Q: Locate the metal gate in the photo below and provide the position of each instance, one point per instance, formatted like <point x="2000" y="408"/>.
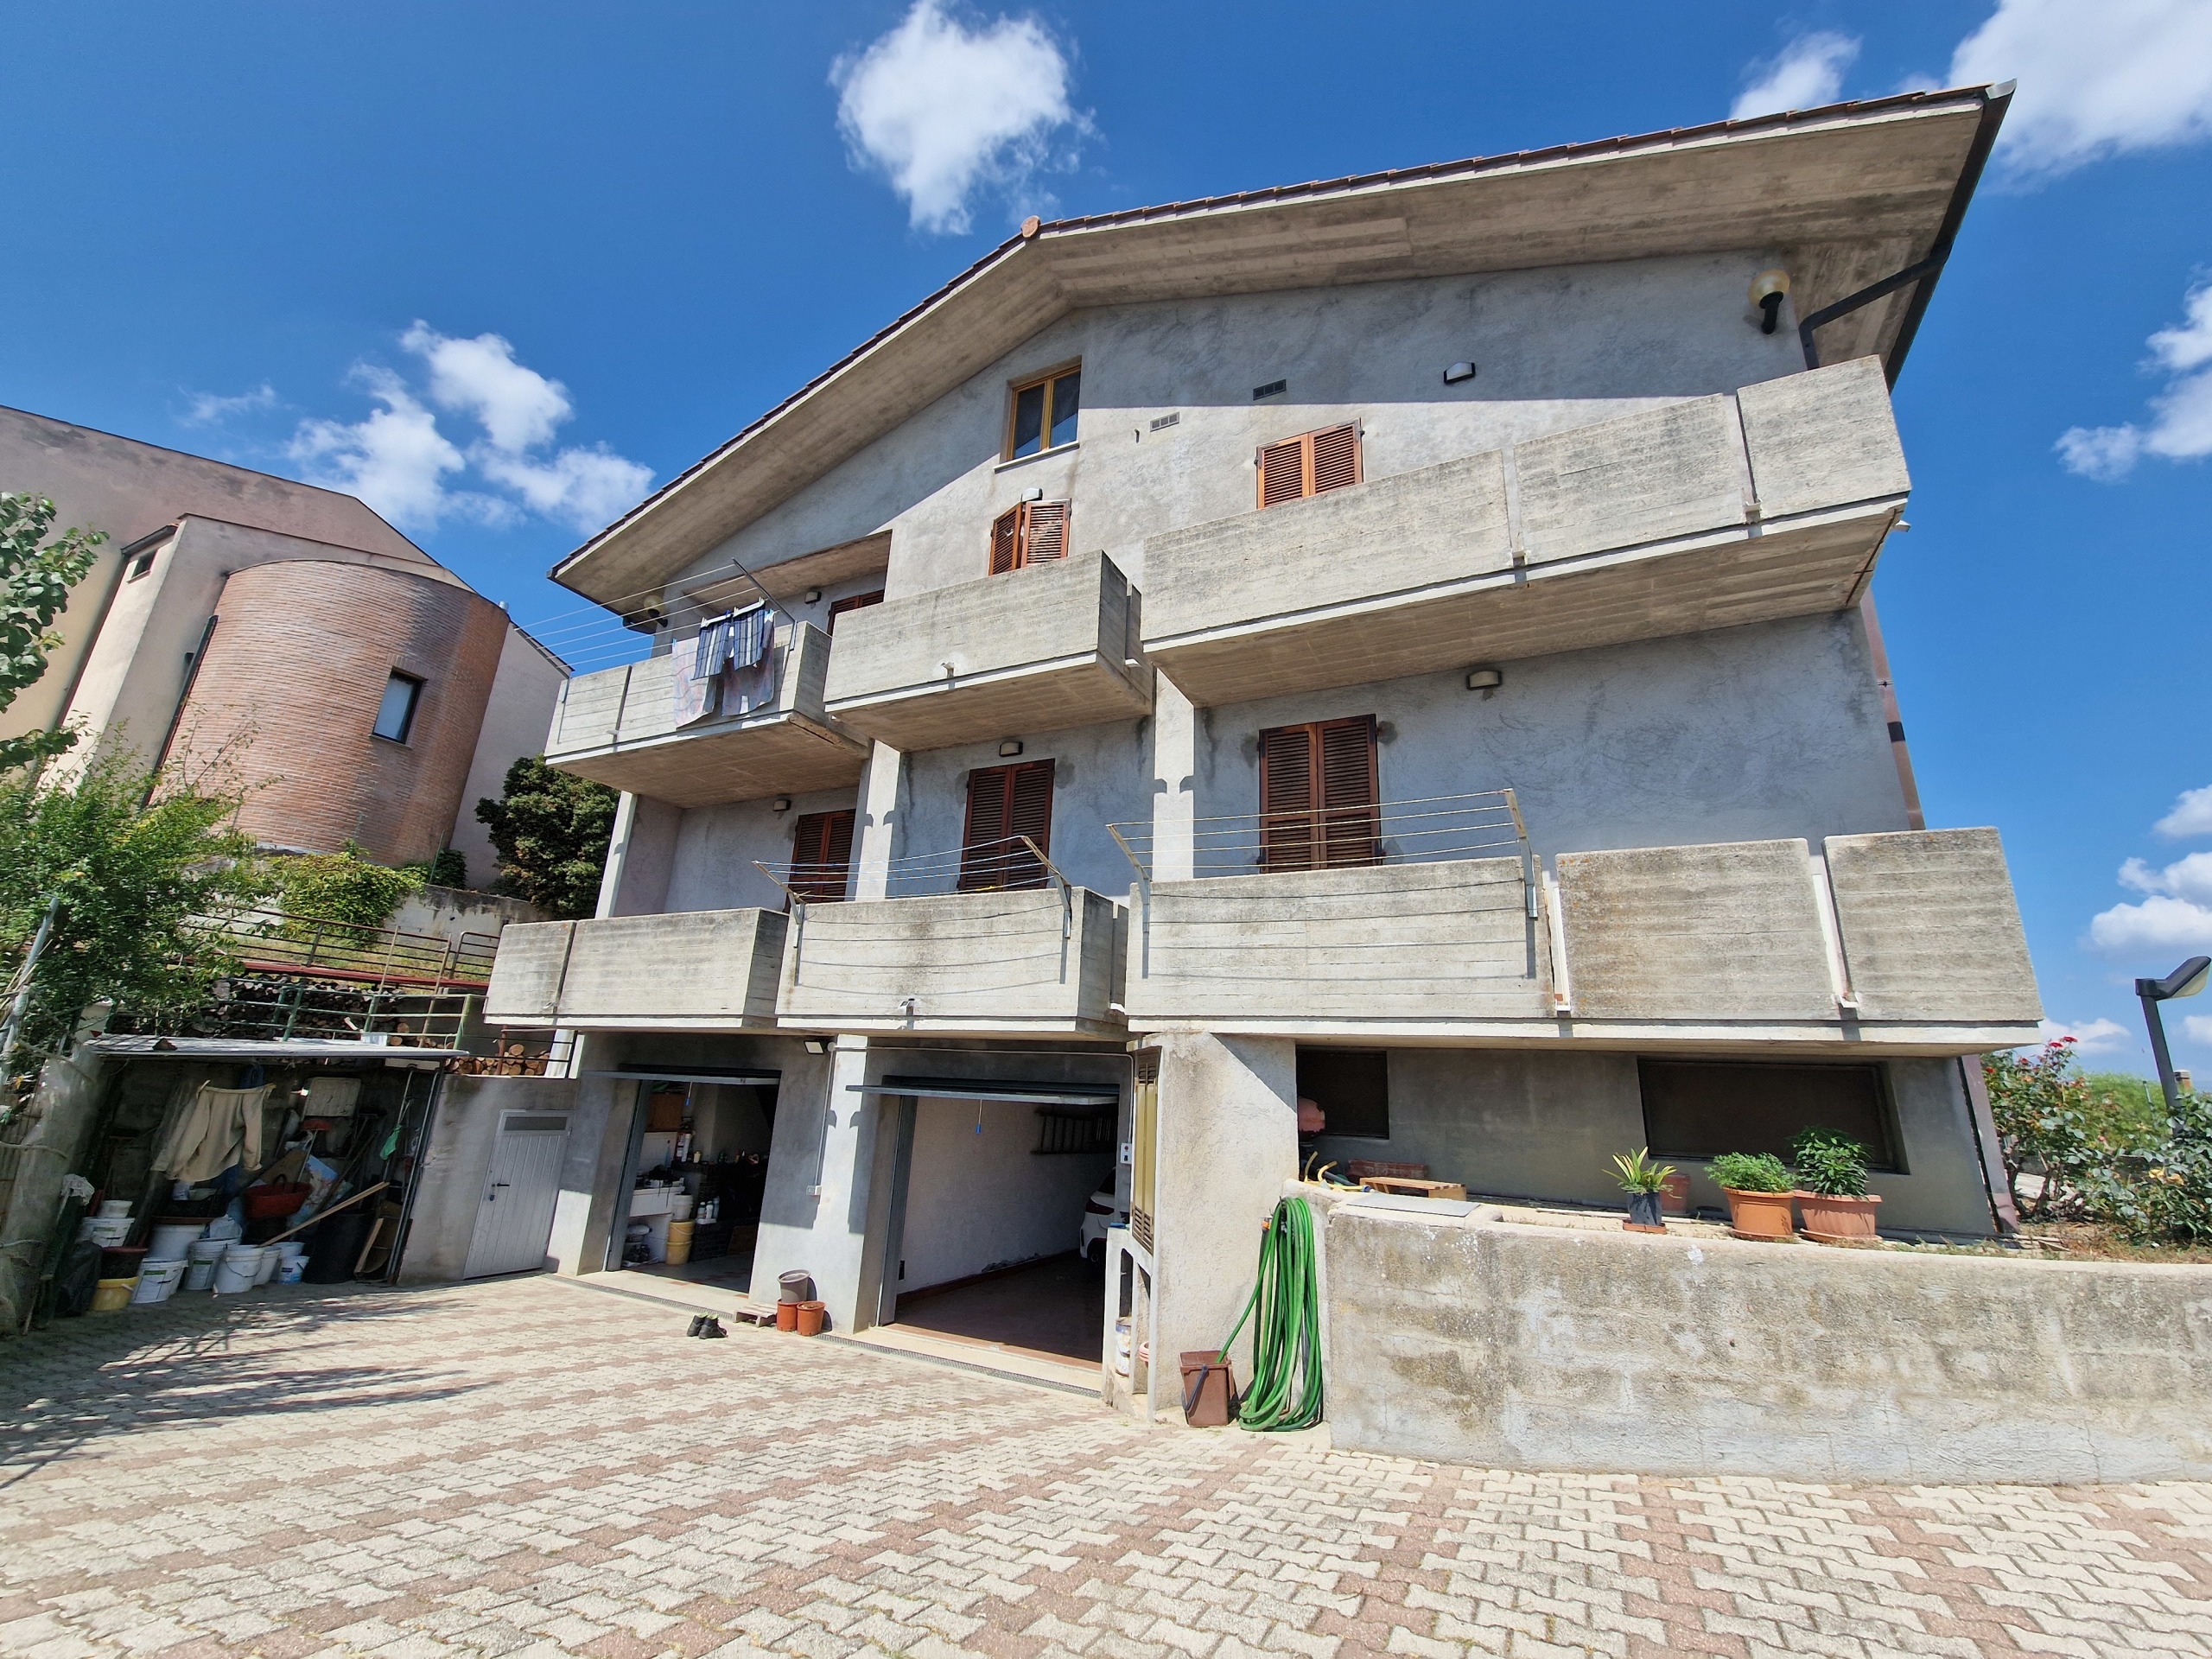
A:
<point x="516" y="1218"/>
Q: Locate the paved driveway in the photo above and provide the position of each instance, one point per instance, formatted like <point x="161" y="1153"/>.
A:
<point x="530" y="1467"/>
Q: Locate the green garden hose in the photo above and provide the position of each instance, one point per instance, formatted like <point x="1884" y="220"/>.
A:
<point x="1286" y="1391"/>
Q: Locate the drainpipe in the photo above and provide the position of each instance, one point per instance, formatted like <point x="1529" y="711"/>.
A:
<point x="1878" y="657"/>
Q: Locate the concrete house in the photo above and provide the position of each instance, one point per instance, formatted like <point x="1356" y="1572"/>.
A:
<point x="1403" y="641"/>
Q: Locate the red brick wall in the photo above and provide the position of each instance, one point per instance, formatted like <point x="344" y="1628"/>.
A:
<point x="285" y="701"/>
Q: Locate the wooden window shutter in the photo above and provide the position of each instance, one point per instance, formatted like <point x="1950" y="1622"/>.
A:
<point x="1006" y="540"/>
<point x="821" y="856"/>
<point x="852" y="602"/>
<point x="1311" y="464"/>
<point x="1317" y="795"/>
<point x="1004" y="803"/>
<point x="1032" y="532"/>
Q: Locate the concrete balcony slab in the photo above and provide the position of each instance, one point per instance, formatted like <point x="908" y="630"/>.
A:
<point x="691" y="970"/>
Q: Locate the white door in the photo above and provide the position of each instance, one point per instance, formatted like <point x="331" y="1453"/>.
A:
<point x="516" y="1218"/>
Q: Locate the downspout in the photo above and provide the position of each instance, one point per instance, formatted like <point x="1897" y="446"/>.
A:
<point x="1923" y="272"/>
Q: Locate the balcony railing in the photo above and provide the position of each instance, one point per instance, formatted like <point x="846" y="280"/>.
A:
<point x="1340" y="837"/>
<point x="619" y="728"/>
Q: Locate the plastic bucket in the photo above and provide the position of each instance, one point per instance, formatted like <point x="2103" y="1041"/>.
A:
<point x="1209" y="1390"/>
<point x="289" y="1269"/>
<point x="679" y="1242"/>
<point x="109" y="1294"/>
<point x="158" y="1281"/>
<point x="112" y="1209"/>
<point x="171" y="1239"/>
<point x="105" y="1230"/>
<point x="810" y="1318"/>
<point x="236" y="1271"/>
<point x="795" y="1288"/>
<point x="1125" y="1347"/>
<point x="200" y="1257"/>
<point x="270" y="1258"/>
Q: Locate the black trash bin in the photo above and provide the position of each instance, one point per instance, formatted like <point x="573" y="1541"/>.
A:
<point x="334" y="1246"/>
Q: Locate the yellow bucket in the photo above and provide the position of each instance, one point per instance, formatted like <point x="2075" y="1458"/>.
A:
<point x="679" y="1242"/>
<point x="113" y="1294"/>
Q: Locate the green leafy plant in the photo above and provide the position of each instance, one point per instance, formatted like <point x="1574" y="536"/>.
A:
<point x="551" y="831"/>
<point x="1752" y="1172"/>
<point x="1832" y="1164"/>
<point x="1636" y="1173"/>
<point x="342" y="886"/>
<point x="35" y="577"/>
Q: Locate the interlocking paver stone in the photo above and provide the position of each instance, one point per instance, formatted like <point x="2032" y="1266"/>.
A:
<point x="530" y="1468"/>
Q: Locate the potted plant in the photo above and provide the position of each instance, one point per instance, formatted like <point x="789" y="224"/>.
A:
<point x="1643" y="1181"/>
<point x="1760" y="1190"/>
<point x="1832" y="1181"/>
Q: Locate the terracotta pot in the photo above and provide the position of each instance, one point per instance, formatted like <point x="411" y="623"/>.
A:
<point x="786" y="1316"/>
<point x="809" y="1318"/>
<point x="1643" y="1213"/>
<point x="1675" y="1194"/>
<point x="1839" y="1221"/>
<point x="1760" y="1214"/>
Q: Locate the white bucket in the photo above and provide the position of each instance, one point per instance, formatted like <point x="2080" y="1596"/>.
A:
<point x="681" y="1207"/>
<point x="112" y="1208"/>
<point x="271" y="1258"/>
<point x="158" y="1281"/>
<point x="240" y="1268"/>
<point x="171" y="1239"/>
<point x="1124" y="1347"/>
<point x="290" y="1269"/>
<point x="106" y="1231"/>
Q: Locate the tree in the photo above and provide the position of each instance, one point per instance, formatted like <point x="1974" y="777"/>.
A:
<point x="122" y="869"/>
<point x="551" y="831"/>
<point x="34" y="584"/>
<point x="343" y="887"/>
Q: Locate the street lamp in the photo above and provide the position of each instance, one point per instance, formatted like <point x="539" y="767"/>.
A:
<point x="2185" y="981"/>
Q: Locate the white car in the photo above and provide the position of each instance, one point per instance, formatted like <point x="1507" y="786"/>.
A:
<point x="1107" y="1207"/>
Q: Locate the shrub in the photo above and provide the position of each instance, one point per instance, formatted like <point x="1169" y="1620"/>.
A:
<point x="342" y="886"/>
<point x="1752" y="1172"/>
<point x="1832" y="1164"/>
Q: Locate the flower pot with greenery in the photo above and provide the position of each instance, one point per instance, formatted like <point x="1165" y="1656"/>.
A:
<point x="1760" y="1191"/>
<point x="1832" y="1181"/>
<point x="1643" y="1181"/>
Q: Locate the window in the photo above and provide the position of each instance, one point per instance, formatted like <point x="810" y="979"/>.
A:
<point x="1312" y="464"/>
<point x="1042" y="413"/>
<point x="852" y="602"/>
<point x="1699" y="1109"/>
<point x="1004" y="804"/>
<point x="1035" y="532"/>
<point x="396" y="713"/>
<point x="1318" y="796"/>
<point x="821" y="856"/>
<point x="1352" y="1088"/>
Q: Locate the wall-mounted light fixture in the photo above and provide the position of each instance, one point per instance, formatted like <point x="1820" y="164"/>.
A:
<point x="1008" y="749"/>
<point x="814" y="595"/>
<point x="1485" y="680"/>
<point x="816" y="1046"/>
<point x="1457" y="372"/>
<point x="1032" y="495"/>
<point x="1767" y="290"/>
<point x="781" y="804"/>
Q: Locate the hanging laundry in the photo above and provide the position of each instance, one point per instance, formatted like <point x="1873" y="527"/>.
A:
<point x="214" y="1129"/>
<point x="749" y="681"/>
<point x="694" y="666"/>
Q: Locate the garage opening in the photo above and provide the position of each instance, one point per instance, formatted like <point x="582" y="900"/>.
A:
<point x="698" y="1173"/>
<point x="999" y="1207"/>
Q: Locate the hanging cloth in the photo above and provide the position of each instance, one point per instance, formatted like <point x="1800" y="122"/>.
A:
<point x="216" y="1129"/>
<point x="697" y="666"/>
<point x="749" y="679"/>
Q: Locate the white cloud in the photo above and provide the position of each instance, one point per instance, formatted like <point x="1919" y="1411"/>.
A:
<point x="400" y="462"/>
<point x="2191" y="816"/>
<point x="208" y="409"/>
<point x="2091" y="1036"/>
<point x="1808" y="73"/>
<point x="2198" y="1027"/>
<point x="946" y="111"/>
<point x="2182" y="428"/>
<point x="2185" y="878"/>
<point x="2095" y="80"/>
<point x="2161" y="923"/>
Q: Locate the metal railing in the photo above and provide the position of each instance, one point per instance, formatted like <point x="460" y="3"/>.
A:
<point x="1427" y="831"/>
<point x="290" y="1007"/>
<point x="269" y="941"/>
<point x="1015" y="863"/>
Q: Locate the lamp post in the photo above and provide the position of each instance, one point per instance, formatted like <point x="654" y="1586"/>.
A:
<point x="2185" y="981"/>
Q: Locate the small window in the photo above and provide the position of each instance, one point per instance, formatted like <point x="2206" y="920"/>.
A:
<point x="821" y="856"/>
<point x="142" y="565"/>
<point x="1319" y="806"/>
<point x="1006" y="804"/>
<point x="1313" y="463"/>
<point x="1043" y="414"/>
<point x="1035" y="532"/>
<point x="396" y="713"/>
<point x="1700" y="1109"/>
<point x="852" y="602"/>
<point x="1352" y="1088"/>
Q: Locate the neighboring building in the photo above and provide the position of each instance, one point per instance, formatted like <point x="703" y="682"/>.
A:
<point x="1421" y="622"/>
<point x="284" y="636"/>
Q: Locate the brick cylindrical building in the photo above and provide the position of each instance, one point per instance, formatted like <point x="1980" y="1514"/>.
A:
<point x="345" y="699"/>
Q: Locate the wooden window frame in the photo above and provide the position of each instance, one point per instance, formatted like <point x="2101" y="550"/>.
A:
<point x="1026" y="533"/>
<point x="816" y="886"/>
<point x="1311" y="470"/>
<point x="996" y="864"/>
<point x="1318" y="835"/>
<point x="1044" y="444"/>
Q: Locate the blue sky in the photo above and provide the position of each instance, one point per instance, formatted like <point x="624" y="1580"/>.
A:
<point x="279" y="233"/>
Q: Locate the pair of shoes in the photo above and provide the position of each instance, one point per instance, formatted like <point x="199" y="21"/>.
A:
<point x="712" y="1327"/>
<point x="698" y="1324"/>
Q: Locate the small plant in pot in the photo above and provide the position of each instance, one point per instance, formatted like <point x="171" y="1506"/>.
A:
<point x="1760" y="1191"/>
<point x="1644" y="1182"/>
<point x="1832" y="1181"/>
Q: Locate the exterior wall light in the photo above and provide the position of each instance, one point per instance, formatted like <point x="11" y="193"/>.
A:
<point x="2185" y="981"/>
<point x="1457" y="372"/>
<point x="1767" y="290"/>
<point x="1008" y="749"/>
<point x="814" y="595"/>
<point x="781" y="804"/>
<point x="816" y="1046"/>
<point x="1485" y="680"/>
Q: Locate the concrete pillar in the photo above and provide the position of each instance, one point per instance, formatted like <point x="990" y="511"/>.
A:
<point x="640" y="855"/>
<point x="825" y="1176"/>
<point x="877" y="825"/>
<point x="1228" y="1139"/>
<point x="1175" y="772"/>
<point x="593" y="1205"/>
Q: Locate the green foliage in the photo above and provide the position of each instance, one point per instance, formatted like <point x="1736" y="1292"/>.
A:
<point x="1636" y="1173"/>
<point x="34" y="584"/>
<point x="1752" y="1172"/>
<point x="446" y="868"/>
<point x="342" y="886"/>
<point x="124" y="877"/>
<point x="1832" y="1164"/>
<point x="551" y="831"/>
<point x="2128" y="1109"/>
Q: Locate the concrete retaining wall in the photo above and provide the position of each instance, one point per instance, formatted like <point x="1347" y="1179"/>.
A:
<point x="1539" y="1347"/>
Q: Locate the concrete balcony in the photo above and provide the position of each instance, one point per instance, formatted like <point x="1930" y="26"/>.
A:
<point x="618" y="726"/>
<point x="1046" y="961"/>
<point x="1769" y="503"/>
<point x="692" y="970"/>
<point x="1047" y="646"/>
